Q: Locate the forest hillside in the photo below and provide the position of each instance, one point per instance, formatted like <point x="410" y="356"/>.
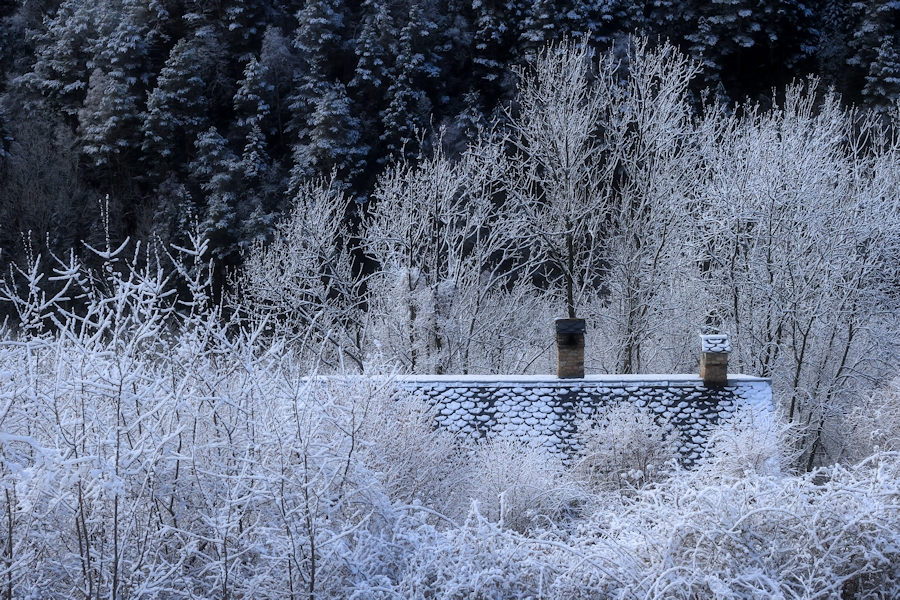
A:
<point x="188" y="112"/>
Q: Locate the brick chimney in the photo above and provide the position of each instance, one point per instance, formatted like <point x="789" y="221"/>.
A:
<point x="570" y="348"/>
<point x="714" y="359"/>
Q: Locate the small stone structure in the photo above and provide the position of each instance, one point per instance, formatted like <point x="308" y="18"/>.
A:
<point x="570" y="348"/>
<point x="714" y="350"/>
<point x="546" y="410"/>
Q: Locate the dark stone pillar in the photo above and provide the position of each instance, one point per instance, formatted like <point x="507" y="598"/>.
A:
<point x="570" y="348"/>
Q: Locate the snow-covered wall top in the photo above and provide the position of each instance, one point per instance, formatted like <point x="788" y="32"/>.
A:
<point x="547" y="410"/>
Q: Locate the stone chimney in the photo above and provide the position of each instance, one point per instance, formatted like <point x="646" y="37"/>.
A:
<point x="570" y="348"/>
<point x="714" y="359"/>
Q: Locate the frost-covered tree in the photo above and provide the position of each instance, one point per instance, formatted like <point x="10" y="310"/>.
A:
<point x="799" y="226"/>
<point x="557" y="181"/>
<point x="604" y="164"/>
<point x="450" y="270"/>
<point x="303" y="283"/>
<point x="649" y="135"/>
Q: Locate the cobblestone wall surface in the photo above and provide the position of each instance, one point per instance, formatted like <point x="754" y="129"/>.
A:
<point x="547" y="411"/>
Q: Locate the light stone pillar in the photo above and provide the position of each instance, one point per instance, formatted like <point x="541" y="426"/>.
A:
<point x="714" y="359"/>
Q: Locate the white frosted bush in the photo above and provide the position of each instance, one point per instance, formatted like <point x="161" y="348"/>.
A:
<point x="415" y="461"/>
<point x="750" y="440"/>
<point x="521" y="486"/>
<point x="820" y="535"/>
<point x="831" y="534"/>
<point x="873" y="424"/>
<point x="623" y="447"/>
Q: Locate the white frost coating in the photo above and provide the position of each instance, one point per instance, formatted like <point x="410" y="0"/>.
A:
<point x="715" y="343"/>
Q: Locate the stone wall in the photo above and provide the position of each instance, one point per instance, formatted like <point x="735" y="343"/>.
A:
<point x="546" y="410"/>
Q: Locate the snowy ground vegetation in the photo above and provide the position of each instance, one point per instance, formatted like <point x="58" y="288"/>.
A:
<point x="152" y="448"/>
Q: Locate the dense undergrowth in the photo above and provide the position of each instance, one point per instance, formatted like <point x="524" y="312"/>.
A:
<point x="149" y="450"/>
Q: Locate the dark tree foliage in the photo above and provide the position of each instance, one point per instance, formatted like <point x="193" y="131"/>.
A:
<point x="747" y="47"/>
<point x="876" y="46"/>
<point x="178" y="108"/>
<point x="200" y="115"/>
<point x="835" y="22"/>
<point x="409" y="107"/>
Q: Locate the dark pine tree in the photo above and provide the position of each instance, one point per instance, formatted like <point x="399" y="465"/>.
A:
<point x="109" y="121"/>
<point x="495" y="32"/>
<point x="750" y="46"/>
<point x="179" y="107"/>
<point x="376" y="49"/>
<point x="280" y="65"/>
<point x="408" y="105"/>
<point x="259" y="191"/>
<point x="217" y="172"/>
<point x="324" y="50"/>
<point x="876" y="45"/>
<point x="329" y="141"/>
<point x="58" y="76"/>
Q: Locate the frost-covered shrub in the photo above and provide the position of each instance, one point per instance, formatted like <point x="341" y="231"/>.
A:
<point x="416" y="462"/>
<point x="825" y="534"/>
<point x="832" y="534"/>
<point x="521" y="486"/>
<point x="479" y="560"/>
<point x="750" y="440"/>
<point x="624" y="447"/>
<point x="873" y="424"/>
